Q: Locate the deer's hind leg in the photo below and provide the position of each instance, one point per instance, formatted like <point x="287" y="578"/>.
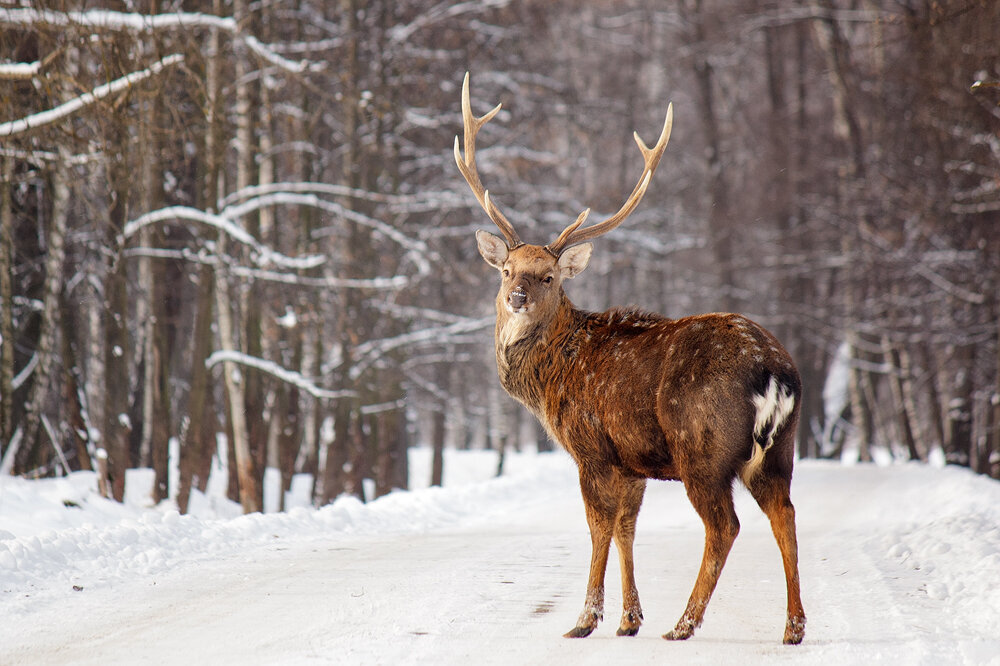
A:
<point x="714" y="505"/>
<point x="771" y="490"/>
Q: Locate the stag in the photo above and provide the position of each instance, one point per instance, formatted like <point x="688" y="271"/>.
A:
<point x="634" y="396"/>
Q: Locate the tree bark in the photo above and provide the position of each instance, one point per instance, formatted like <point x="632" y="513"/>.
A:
<point x="6" y="305"/>
<point x="720" y="228"/>
<point x="198" y="436"/>
<point x="51" y="293"/>
<point x="959" y="443"/>
<point x="860" y="414"/>
<point x="246" y="470"/>
<point x="890" y="357"/>
<point x="117" y="424"/>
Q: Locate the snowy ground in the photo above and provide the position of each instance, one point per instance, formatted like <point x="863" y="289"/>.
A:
<point x="899" y="564"/>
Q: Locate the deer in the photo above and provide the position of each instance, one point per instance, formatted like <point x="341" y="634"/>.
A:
<point x="633" y="395"/>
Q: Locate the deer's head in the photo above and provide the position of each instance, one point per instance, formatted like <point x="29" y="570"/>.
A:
<point x="532" y="277"/>
<point x="533" y="274"/>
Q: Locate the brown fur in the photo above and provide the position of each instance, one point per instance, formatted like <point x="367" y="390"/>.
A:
<point x="632" y="396"/>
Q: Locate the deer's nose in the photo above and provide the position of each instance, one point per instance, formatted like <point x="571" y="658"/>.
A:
<point x="517" y="298"/>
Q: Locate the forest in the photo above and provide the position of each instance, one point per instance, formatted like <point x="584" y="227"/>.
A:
<point x="233" y="228"/>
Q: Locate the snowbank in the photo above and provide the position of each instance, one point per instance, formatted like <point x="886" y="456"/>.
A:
<point x="60" y="533"/>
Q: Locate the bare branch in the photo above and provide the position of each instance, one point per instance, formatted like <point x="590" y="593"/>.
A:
<point x="109" y="20"/>
<point x="43" y="118"/>
<point x="265" y="254"/>
<point x="290" y="376"/>
<point x="369" y="352"/>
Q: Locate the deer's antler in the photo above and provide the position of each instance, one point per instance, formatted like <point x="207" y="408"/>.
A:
<point x="574" y="235"/>
<point x="467" y="165"/>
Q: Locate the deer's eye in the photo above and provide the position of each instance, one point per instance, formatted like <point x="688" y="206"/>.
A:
<point x="506" y="273"/>
<point x="547" y="279"/>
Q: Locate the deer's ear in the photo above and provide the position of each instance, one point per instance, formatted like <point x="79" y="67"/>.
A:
<point x="573" y="260"/>
<point x="493" y="249"/>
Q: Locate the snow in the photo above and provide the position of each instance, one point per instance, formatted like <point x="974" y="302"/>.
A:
<point x="898" y="562"/>
<point x="99" y="18"/>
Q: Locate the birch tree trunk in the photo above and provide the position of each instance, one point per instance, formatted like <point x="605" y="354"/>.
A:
<point x="249" y="482"/>
<point x="155" y="278"/>
<point x="246" y="472"/>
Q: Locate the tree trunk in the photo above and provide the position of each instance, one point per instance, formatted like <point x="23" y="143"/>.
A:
<point x="117" y="425"/>
<point x="198" y="431"/>
<point x="860" y="414"/>
<point x="720" y="228"/>
<point x="437" y="446"/>
<point x="6" y="303"/>
<point x="992" y="453"/>
<point x="156" y="285"/>
<point x="75" y="413"/>
<point x="246" y="470"/>
<point x="54" y="258"/>
<point x="959" y="442"/>
<point x="935" y="418"/>
<point x="890" y="357"/>
<point x="197" y="439"/>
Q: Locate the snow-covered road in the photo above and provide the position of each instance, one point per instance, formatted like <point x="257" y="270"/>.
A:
<point x="898" y="564"/>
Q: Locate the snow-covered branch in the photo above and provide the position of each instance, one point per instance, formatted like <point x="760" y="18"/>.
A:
<point x="19" y="70"/>
<point x="323" y="282"/>
<point x="26" y="70"/>
<point x="265" y="254"/>
<point x="417" y="250"/>
<point x="443" y="11"/>
<point x="297" y="379"/>
<point x="378" y="283"/>
<point x="368" y="352"/>
<point x="321" y="188"/>
<point x="110" y="20"/>
<point x="52" y="115"/>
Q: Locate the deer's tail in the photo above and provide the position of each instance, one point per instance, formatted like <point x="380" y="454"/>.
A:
<point x="773" y="407"/>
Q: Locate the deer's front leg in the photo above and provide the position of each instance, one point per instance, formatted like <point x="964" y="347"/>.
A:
<point x="600" y="506"/>
<point x="624" y="535"/>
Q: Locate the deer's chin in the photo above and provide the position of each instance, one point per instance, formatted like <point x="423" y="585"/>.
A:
<point x="523" y="310"/>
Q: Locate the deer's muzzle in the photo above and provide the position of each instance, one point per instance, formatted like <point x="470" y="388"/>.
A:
<point x="517" y="298"/>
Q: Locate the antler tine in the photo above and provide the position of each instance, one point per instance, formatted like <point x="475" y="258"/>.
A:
<point x="467" y="166"/>
<point x="560" y="243"/>
<point x="573" y="235"/>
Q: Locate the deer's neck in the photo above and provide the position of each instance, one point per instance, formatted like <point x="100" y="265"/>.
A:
<point x="529" y="350"/>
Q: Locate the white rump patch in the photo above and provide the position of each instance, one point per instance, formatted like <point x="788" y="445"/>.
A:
<point x="773" y="409"/>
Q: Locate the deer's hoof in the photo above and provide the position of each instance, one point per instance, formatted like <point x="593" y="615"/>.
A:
<point x="675" y="635"/>
<point x="631" y="621"/>
<point x="795" y="630"/>
<point x="684" y="629"/>
<point x="579" y="632"/>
